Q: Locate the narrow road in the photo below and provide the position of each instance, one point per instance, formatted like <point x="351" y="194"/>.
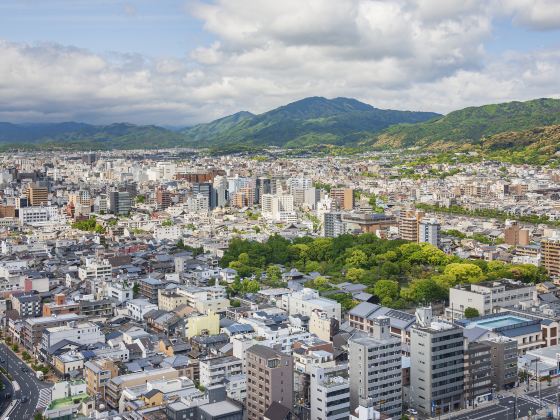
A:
<point x="30" y="386"/>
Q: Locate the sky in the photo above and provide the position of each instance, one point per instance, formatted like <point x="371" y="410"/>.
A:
<point x="182" y="62"/>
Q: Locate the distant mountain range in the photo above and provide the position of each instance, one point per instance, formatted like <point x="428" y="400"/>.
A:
<point x="308" y="121"/>
<point x="532" y="125"/>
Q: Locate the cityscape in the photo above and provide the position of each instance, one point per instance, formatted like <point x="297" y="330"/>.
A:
<point x="298" y="210"/>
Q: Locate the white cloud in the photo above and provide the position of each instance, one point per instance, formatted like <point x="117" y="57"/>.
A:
<point x="422" y="55"/>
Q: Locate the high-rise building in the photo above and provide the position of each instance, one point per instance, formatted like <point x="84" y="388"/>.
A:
<point x="333" y="225"/>
<point x="270" y="378"/>
<point x="206" y="189"/>
<point x="38" y="194"/>
<point x="504" y="361"/>
<point x="437" y="357"/>
<point x="375" y="369"/>
<point x="221" y="187"/>
<point x="163" y="198"/>
<point x="550" y="251"/>
<point x="262" y="186"/>
<point x="278" y="207"/>
<point x="429" y="230"/>
<point x="120" y="202"/>
<point x="408" y="225"/>
<point x="478" y="373"/>
<point x="343" y="197"/>
<point x="330" y="396"/>
<point x="515" y="235"/>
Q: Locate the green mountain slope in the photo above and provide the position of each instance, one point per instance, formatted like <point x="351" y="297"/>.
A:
<point x="471" y="125"/>
<point x="308" y="121"/>
<point x="81" y="136"/>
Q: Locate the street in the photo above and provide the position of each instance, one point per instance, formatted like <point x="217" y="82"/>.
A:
<point x="30" y="387"/>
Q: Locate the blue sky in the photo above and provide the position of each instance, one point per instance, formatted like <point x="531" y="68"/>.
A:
<point x="181" y="62"/>
<point x="153" y="28"/>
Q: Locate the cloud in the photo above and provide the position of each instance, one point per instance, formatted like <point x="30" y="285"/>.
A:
<point x="421" y="55"/>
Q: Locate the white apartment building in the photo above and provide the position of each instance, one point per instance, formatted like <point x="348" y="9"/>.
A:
<point x="487" y="295"/>
<point x="278" y="207"/>
<point x="305" y="301"/>
<point x="95" y="269"/>
<point x="137" y="308"/>
<point x="236" y="387"/>
<point x="38" y="215"/>
<point x="120" y="291"/>
<point x="214" y="371"/>
<point x="82" y="333"/>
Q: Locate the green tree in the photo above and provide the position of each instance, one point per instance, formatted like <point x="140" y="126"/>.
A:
<point x="355" y="275"/>
<point x="386" y="290"/>
<point x="471" y="313"/>
<point x="464" y="272"/>
<point x="136" y="289"/>
<point x="357" y="258"/>
<point x="424" y="291"/>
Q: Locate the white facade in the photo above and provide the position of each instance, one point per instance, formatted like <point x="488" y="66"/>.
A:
<point x="119" y="291"/>
<point x="307" y="300"/>
<point x="38" y="215"/>
<point x="82" y="333"/>
<point x="137" y="308"/>
<point x="95" y="269"/>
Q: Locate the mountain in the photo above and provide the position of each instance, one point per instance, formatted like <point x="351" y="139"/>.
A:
<point x="80" y="136"/>
<point x="308" y="121"/>
<point x="472" y="125"/>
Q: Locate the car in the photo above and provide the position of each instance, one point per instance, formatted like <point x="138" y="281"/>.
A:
<point x="24" y="399"/>
<point x="412" y="411"/>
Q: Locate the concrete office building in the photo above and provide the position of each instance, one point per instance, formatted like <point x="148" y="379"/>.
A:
<point x="478" y="373"/>
<point x="486" y="296"/>
<point x="504" y="361"/>
<point x="270" y="378"/>
<point x="38" y="194"/>
<point x="207" y="190"/>
<point x="437" y="355"/>
<point x="120" y="202"/>
<point x="330" y="396"/>
<point x="375" y="369"/>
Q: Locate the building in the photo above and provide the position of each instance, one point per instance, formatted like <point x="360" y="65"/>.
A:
<point x="343" y="198"/>
<point x="120" y="291"/>
<point x="120" y="202"/>
<point x="149" y="288"/>
<point x="95" y="269"/>
<point x="279" y="208"/>
<point x="478" y="373"/>
<point x="323" y="325"/>
<point x="201" y="324"/>
<point x="486" y="296"/>
<point x="163" y="198"/>
<point x="378" y="223"/>
<point x="330" y="396"/>
<point x="375" y="369"/>
<point x="270" y="378"/>
<point x="32" y="328"/>
<point x="216" y="370"/>
<point x="304" y="302"/>
<point x="514" y="235"/>
<point x="437" y="357"/>
<point x="137" y="308"/>
<point x="333" y="225"/>
<point x="504" y="362"/>
<point x="38" y="215"/>
<point x="205" y="189"/>
<point x="28" y="305"/>
<point x="550" y="252"/>
<point x="429" y="230"/>
<point x="408" y="225"/>
<point x="38" y="195"/>
<point x="116" y="385"/>
<point x="81" y="333"/>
